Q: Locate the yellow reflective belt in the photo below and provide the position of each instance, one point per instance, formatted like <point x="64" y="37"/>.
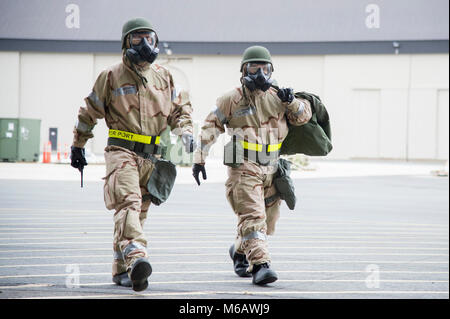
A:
<point x="259" y="147"/>
<point x="134" y="137"/>
<point x="273" y="147"/>
<point x="251" y="146"/>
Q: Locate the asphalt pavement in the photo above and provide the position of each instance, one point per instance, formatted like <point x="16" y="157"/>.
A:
<point x="349" y="237"/>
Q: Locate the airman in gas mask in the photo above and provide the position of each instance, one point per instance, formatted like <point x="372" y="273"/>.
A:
<point x="256" y="116"/>
<point x="138" y="100"/>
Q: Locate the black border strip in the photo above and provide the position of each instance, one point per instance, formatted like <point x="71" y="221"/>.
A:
<point x="228" y="48"/>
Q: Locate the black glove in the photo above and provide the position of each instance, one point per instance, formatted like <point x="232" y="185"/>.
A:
<point x="286" y="95"/>
<point x="77" y="158"/>
<point x="196" y="169"/>
<point x="188" y="142"/>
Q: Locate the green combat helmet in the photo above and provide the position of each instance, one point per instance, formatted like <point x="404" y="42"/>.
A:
<point x="133" y="25"/>
<point x="254" y="54"/>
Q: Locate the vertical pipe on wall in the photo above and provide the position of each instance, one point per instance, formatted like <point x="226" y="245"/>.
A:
<point x="408" y="105"/>
<point x="19" y="87"/>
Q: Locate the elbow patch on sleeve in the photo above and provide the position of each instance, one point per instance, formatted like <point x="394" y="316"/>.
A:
<point x="96" y="100"/>
<point x="221" y="117"/>
<point x="83" y="127"/>
<point x="301" y="108"/>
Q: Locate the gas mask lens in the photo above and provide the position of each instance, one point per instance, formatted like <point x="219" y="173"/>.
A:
<point x="150" y="36"/>
<point x="252" y="68"/>
<point x="258" y="76"/>
<point x="143" y="47"/>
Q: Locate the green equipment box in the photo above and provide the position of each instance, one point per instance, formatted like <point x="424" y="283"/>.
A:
<point x="19" y="139"/>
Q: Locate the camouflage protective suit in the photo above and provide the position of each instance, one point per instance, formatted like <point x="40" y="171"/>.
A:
<point x="255" y="117"/>
<point x="140" y="100"/>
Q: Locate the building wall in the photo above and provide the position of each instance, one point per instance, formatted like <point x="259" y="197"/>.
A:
<point x="381" y="106"/>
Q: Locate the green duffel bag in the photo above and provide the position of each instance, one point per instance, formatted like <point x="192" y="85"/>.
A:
<point x="312" y="138"/>
<point x="284" y="184"/>
<point x="161" y="181"/>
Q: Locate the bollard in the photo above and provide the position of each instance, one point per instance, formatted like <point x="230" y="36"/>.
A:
<point x="46" y="156"/>
<point x="66" y="151"/>
<point x="49" y="148"/>
<point x="44" y="153"/>
<point x="58" y="152"/>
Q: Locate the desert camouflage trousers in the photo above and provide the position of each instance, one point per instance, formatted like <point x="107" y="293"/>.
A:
<point x="125" y="186"/>
<point x="247" y="188"/>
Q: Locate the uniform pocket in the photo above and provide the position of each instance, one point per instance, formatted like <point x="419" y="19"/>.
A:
<point x="230" y="189"/>
<point x="125" y="100"/>
<point x="109" y="189"/>
<point x="243" y="117"/>
<point x="157" y="100"/>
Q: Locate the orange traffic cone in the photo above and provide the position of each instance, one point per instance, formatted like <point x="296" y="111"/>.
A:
<point x="58" y="152"/>
<point x="66" y="151"/>
<point x="46" y="158"/>
<point x="44" y="154"/>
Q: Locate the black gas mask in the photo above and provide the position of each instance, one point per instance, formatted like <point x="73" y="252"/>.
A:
<point x="257" y="76"/>
<point x="143" y="47"/>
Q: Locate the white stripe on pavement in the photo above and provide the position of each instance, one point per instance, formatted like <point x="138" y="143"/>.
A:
<point x="227" y="262"/>
<point x="244" y="292"/>
<point x="223" y="247"/>
<point x="153" y="241"/>
<point x="223" y="281"/>
<point x="207" y="235"/>
<point x="190" y="231"/>
<point x="208" y="224"/>
<point x="29" y="286"/>
<point x="59" y="212"/>
<point x="228" y="271"/>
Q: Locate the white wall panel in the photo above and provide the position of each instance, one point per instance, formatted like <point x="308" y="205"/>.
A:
<point x="9" y="84"/>
<point x="393" y="123"/>
<point x="52" y="88"/>
<point x="442" y="125"/>
<point x="429" y="71"/>
<point x="366" y="123"/>
<point x="422" y="135"/>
